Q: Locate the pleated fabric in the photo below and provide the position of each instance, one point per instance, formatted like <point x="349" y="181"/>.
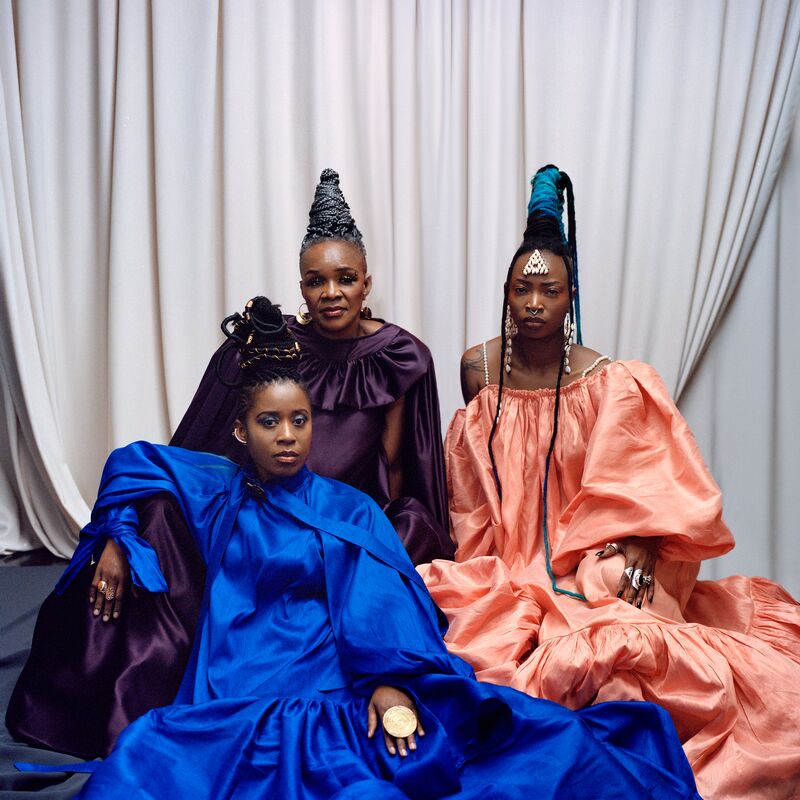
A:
<point x="722" y="657"/>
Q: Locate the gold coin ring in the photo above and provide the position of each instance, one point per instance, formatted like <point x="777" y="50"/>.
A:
<point x="399" y="722"/>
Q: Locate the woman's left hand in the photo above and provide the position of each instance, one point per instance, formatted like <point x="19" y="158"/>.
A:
<point x="640" y="563"/>
<point x="383" y="698"/>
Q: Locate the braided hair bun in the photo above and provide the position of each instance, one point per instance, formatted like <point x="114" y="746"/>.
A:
<point x="330" y="217"/>
<point x="268" y="351"/>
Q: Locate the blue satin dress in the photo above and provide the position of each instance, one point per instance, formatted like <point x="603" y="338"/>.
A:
<point x="310" y="603"/>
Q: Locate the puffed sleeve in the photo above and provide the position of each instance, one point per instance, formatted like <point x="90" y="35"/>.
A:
<point x="643" y="475"/>
<point x="198" y="481"/>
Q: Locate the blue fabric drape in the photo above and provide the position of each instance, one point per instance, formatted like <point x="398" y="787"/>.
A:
<point x="310" y="603"/>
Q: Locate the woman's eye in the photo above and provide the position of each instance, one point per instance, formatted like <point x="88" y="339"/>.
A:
<point x="313" y="282"/>
<point x="300" y="420"/>
<point x="520" y="290"/>
<point x="348" y="279"/>
<point x="268" y="422"/>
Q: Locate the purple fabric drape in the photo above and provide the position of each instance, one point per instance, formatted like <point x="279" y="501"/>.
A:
<point x="115" y="672"/>
<point x="352" y="384"/>
<point x="86" y="680"/>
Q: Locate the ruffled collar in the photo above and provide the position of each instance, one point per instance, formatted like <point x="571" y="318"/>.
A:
<point x="367" y="372"/>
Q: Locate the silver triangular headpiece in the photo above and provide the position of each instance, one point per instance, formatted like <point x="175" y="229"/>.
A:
<point x="536" y="265"/>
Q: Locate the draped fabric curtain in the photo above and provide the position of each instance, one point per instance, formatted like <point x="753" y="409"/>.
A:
<point x="158" y="160"/>
<point x="742" y="399"/>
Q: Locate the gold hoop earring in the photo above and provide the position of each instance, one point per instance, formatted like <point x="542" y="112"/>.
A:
<point x="303" y="317"/>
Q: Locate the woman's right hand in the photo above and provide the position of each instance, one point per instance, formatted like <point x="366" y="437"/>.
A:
<point x="110" y="582"/>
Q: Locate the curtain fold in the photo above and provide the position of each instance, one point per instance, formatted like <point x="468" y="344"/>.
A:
<point x="159" y="158"/>
<point x="741" y="400"/>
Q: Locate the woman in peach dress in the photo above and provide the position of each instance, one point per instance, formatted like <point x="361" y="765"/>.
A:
<point x="581" y="508"/>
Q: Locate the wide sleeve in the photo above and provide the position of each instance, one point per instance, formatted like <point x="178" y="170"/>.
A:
<point x="207" y="424"/>
<point x="422" y="454"/>
<point x="643" y="475"/>
<point x="198" y="481"/>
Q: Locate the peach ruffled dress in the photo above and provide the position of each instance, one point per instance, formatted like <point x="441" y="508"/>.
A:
<point x="723" y="657"/>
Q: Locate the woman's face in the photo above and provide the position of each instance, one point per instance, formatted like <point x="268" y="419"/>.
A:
<point x="539" y="303"/>
<point x="334" y="283"/>
<point x="277" y="429"/>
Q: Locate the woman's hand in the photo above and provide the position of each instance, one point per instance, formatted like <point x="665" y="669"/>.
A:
<point x="383" y="698"/>
<point x="110" y="582"/>
<point x="637" y="581"/>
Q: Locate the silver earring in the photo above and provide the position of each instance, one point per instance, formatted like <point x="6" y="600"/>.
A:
<point x="511" y="332"/>
<point x="569" y="331"/>
<point x="238" y="438"/>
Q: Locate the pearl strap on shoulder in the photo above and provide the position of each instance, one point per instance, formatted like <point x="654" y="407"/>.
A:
<point x="594" y="364"/>
<point x="485" y="365"/>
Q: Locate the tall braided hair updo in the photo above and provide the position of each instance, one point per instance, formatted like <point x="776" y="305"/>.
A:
<point x="330" y="217"/>
<point x="544" y="230"/>
<point x="268" y="351"/>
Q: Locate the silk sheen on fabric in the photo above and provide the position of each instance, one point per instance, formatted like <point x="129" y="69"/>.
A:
<point x="352" y="383"/>
<point x="130" y="669"/>
<point x="310" y="602"/>
<point x="722" y="657"/>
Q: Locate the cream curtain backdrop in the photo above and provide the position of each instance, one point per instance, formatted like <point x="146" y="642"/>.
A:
<point x="158" y="160"/>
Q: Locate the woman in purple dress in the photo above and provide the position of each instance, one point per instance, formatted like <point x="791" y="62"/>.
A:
<point x="376" y="426"/>
<point x="372" y="384"/>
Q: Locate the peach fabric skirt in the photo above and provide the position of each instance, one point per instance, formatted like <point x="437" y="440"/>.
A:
<point x="722" y="657"/>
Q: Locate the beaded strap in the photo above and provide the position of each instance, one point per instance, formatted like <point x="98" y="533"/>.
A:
<point x="594" y="364"/>
<point x="485" y="365"/>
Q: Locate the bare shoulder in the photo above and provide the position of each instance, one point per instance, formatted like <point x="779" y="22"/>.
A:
<point x="584" y="359"/>
<point x="473" y="368"/>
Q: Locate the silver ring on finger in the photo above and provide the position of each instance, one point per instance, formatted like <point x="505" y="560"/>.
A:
<point x="636" y="582"/>
<point x="628" y="572"/>
<point x="614" y="546"/>
<point x="647" y="580"/>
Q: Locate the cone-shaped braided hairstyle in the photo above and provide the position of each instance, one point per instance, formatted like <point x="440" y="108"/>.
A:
<point x="269" y="352"/>
<point x="330" y="217"/>
<point x="544" y="230"/>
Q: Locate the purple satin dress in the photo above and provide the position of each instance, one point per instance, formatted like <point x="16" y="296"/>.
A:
<point x="115" y="672"/>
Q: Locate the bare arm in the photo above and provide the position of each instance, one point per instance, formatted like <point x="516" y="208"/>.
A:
<point x="472" y="373"/>
<point x="392" y="442"/>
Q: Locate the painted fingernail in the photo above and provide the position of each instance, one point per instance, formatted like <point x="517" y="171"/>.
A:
<point x="639" y="604"/>
<point x="106" y="618"/>
<point x="412" y="746"/>
<point x="619" y="593"/>
<point x="97" y="612"/>
<point x="599" y="552"/>
<point x="392" y="750"/>
<point x="116" y="614"/>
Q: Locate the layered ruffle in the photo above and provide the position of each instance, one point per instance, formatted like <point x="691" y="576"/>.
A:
<point x="722" y="657"/>
<point x="368" y="372"/>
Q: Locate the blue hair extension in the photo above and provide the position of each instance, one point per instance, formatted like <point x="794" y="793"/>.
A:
<point x="573" y="245"/>
<point x="546" y="196"/>
<point x="546" y="205"/>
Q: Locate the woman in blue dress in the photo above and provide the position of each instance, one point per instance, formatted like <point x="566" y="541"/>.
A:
<point x="317" y="638"/>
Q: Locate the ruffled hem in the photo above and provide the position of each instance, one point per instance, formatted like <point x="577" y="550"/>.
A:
<point x="733" y="698"/>
<point x="756" y="607"/>
<point x="308" y="749"/>
<point x="368" y="372"/>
